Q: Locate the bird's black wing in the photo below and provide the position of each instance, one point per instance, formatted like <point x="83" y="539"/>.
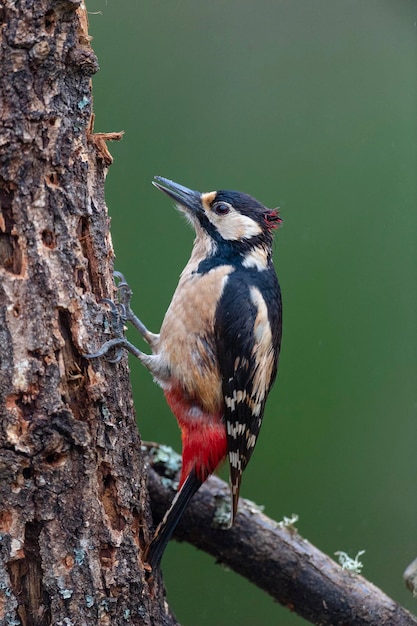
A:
<point x="248" y="337"/>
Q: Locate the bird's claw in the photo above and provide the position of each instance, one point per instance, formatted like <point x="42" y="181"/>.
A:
<point x="117" y="342"/>
<point x="120" y="313"/>
<point x="124" y="294"/>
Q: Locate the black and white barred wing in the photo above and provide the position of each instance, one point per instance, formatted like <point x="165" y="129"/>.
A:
<point x="248" y="331"/>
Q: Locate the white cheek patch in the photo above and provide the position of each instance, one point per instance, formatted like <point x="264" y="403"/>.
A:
<point x="234" y="225"/>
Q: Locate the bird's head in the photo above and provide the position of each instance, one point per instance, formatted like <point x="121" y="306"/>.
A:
<point x="230" y="218"/>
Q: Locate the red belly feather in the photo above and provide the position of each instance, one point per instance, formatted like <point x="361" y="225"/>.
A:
<point x="204" y="443"/>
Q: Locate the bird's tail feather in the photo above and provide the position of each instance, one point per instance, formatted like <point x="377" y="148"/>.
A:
<point x="163" y="533"/>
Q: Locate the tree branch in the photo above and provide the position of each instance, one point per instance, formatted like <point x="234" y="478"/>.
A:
<point x="277" y="559"/>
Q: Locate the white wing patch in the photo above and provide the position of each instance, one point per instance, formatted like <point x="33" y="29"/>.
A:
<point x="263" y="351"/>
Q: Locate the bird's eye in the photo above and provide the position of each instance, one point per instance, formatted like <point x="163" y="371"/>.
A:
<point x="221" y="208"/>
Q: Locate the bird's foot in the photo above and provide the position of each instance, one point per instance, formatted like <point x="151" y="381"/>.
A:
<point x="120" y="314"/>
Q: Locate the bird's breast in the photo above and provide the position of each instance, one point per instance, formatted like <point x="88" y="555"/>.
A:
<point x="187" y="342"/>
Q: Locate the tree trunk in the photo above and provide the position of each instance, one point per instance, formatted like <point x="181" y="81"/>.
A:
<point x="74" y="510"/>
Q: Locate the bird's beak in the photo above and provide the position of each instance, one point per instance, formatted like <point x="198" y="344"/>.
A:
<point x="183" y="196"/>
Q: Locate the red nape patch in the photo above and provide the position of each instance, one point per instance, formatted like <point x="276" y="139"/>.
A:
<point x="273" y="219"/>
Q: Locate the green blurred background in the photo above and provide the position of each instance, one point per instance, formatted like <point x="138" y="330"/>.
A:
<point x="312" y="106"/>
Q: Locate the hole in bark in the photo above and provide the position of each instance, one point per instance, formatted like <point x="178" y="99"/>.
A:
<point x="137" y="529"/>
<point x="10" y="253"/>
<point x="86" y="238"/>
<point x="107" y="555"/>
<point x="69" y="561"/>
<point x="83" y="230"/>
<point x="52" y="121"/>
<point x="74" y="378"/>
<point x="52" y="179"/>
<point x="24" y="405"/>
<point x="56" y="459"/>
<point x="48" y="238"/>
<point x="16" y="310"/>
<point x="26" y="579"/>
<point x="65" y="326"/>
<point x="75" y="375"/>
<point x="50" y="20"/>
<point x="79" y="279"/>
<point x="27" y="473"/>
<point x="109" y="497"/>
<point x="45" y="139"/>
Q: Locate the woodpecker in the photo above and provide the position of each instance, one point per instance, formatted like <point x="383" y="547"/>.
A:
<point x="216" y="355"/>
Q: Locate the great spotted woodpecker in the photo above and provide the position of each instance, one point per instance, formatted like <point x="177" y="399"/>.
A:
<point x="217" y="351"/>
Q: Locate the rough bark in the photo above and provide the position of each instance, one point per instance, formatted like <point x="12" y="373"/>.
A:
<point x="74" y="511"/>
<point x="274" y="557"/>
